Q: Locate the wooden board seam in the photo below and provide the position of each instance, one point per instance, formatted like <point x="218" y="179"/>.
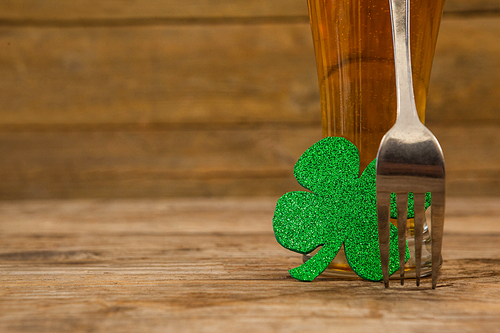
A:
<point x="154" y="21"/>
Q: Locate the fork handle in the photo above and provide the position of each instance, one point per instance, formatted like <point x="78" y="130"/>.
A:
<point x="400" y="15"/>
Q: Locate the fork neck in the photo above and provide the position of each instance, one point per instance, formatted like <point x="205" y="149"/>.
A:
<point x="400" y="15"/>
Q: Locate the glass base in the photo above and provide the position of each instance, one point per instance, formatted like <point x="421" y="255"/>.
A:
<point x="340" y="268"/>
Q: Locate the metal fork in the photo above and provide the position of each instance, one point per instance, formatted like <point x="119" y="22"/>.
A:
<point x="409" y="159"/>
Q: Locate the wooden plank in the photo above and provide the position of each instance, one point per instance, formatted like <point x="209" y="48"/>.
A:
<point x="188" y="297"/>
<point x="179" y="152"/>
<point x="125" y="9"/>
<point x="118" y="216"/>
<point x="155" y="163"/>
<point x="213" y="74"/>
<point x="160" y="74"/>
<point x="459" y="211"/>
<point x="33" y="11"/>
<point x="78" y="273"/>
<point x="234" y="215"/>
<point x="471" y="6"/>
<point x="465" y="82"/>
<point x="239" y="161"/>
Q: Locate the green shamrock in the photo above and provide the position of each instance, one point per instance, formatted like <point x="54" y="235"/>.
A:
<point x="340" y="209"/>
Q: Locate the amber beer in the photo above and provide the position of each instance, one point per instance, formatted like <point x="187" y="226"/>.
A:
<point x="355" y="61"/>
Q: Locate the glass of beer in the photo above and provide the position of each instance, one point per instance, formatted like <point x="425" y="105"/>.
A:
<point x="355" y="61"/>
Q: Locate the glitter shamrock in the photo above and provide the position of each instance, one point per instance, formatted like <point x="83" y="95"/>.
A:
<point x="339" y="210"/>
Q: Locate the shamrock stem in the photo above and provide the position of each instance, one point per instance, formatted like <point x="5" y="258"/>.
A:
<point x="309" y="270"/>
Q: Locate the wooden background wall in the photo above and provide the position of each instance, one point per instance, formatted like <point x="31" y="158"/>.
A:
<point x="148" y="98"/>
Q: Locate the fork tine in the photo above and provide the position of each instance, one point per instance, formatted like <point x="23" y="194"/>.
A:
<point x="437" y="215"/>
<point x="419" y="209"/>
<point x="383" y="213"/>
<point x="402" y="204"/>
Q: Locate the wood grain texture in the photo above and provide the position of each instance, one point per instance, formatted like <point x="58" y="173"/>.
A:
<point x="214" y="266"/>
<point x="474" y="6"/>
<point x="33" y="11"/>
<point x="151" y="163"/>
<point x="225" y="161"/>
<point x="465" y="83"/>
<point x="221" y="73"/>
<point x="130" y="9"/>
<point x="160" y="74"/>
<point x="167" y="98"/>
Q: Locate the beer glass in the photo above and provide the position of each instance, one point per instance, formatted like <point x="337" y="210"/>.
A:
<point x="355" y="61"/>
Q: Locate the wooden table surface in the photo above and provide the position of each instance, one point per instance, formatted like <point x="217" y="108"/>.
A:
<point x="213" y="265"/>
